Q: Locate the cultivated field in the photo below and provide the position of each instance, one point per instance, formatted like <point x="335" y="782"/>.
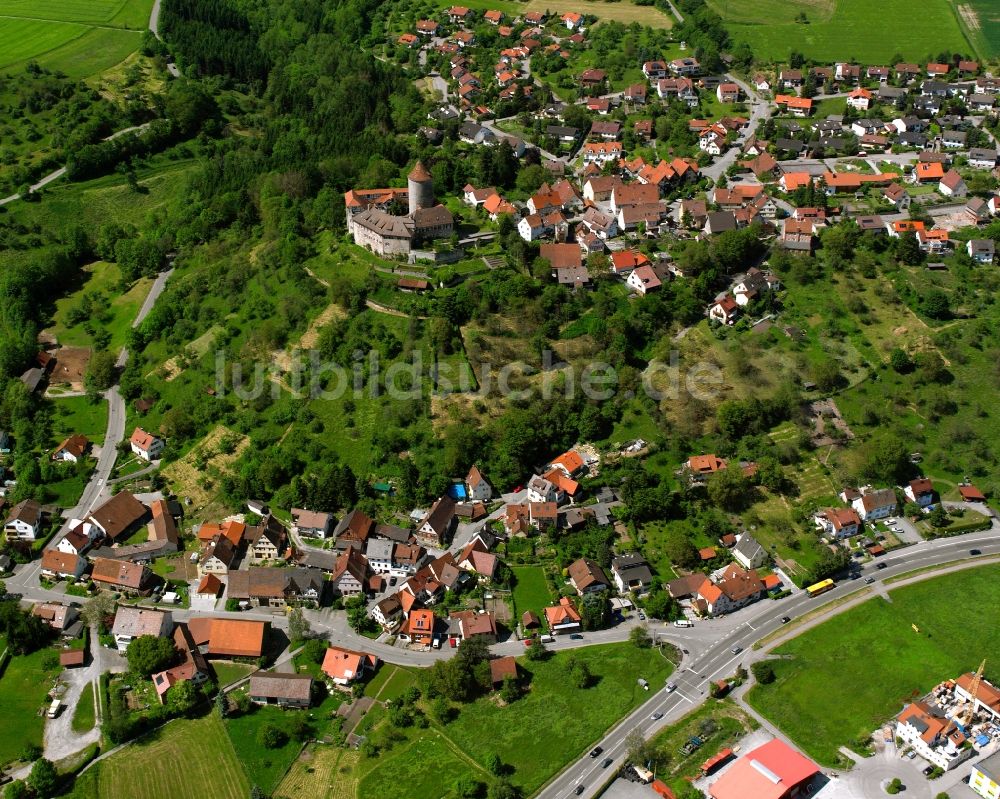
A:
<point x="625" y="12"/>
<point x="845" y="30"/>
<point x="981" y="23"/>
<point x="839" y="681"/>
<point x="185" y="758"/>
<point x="77" y="37"/>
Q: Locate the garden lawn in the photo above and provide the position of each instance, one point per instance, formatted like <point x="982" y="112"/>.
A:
<point x="227" y="673"/>
<point x="855" y="31"/>
<point x="83" y="713"/>
<point x="530" y="591"/>
<point x="840" y="680"/>
<point x="184" y="758"/>
<point x="264" y="767"/>
<point x="24" y="688"/>
<point x="555" y="722"/>
<point x="390" y="683"/>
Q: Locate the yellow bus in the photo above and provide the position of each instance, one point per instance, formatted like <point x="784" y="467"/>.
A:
<point x="818" y="588"/>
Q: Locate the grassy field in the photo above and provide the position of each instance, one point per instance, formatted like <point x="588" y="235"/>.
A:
<point x="79" y="415"/>
<point x="530" y="591"/>
<point x="84" y="716"/>
<point x="185" y="758"/>
<point x="264" y="767"/>
<point x="76" y="37"/>
<point x="24" y="687"/>
<point x="844" y="30"/>
<point x="565" y="719"/>
<point x="322" y="771"/>
<point x="839" y="681"/>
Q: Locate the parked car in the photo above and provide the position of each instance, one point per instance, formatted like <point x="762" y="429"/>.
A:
<point x="642" y="616"/>
<point x="576" y="636"/>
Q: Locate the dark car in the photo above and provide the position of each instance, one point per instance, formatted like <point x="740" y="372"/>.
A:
<point x="596" y="751"/>
<point x="578" y="790"/>
<point x="576" y="637"/>
<point x="975" y="552"/>
<point x="392" y="581"/>
<point x="881" y="565"/>
<point x="785" y="619"/>
<point x="607" y="762"/>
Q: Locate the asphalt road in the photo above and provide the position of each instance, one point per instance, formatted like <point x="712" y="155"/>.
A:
<point x="115" y="431"/>
<point x="714" y="659"/>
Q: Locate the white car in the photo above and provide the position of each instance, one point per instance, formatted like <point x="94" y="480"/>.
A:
<point x="671" y="687"/>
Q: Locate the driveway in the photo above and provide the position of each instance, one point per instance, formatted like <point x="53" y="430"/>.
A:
<point x="60" y="739"/>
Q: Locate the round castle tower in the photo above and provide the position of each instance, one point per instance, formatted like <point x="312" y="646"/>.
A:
<point x="420" y="188"/>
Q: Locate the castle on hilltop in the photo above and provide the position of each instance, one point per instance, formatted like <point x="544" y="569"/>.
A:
<point x="372" y="224"/>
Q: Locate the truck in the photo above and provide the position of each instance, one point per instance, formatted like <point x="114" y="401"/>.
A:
<point x="54" y="709"/>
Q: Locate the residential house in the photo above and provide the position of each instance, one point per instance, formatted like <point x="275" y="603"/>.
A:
<point x="897" y="196"/>
<point x="593" y="78"/>
<point x="283" y="690"/>
<point x="860" y="99"/>
<point x="685" y="66"/>
<point x="218" y="556"/>
<point x="503" y="669"/>
<point x="839" y="522"/>
<point x="71" y="449"/>
<point x="388" y="612"/>
<point x="563" y="618"/>
<point x="344" y="666"/>
<point x="952" y="184"/>
<point x="269" y="540"/>
<point x="654" y="70"/>
<point x="728" y="92"/>
<point x="275" y="588"/>
<point x="873" y="505"/>
<point x="643" y="280"/>
<point x="601" y="153"/>
<point x="724" y="310"/>
<point x="477" y="559"/>
<point x="132" y="622"/>
<point x="146" y="445"/>
<point x="735" y="588"/>
<point x="631" y="572"/>
<point x="953" y="139"/>
<point x="119" y="516"/>
<point x="933" y="736"/>
<point x="920" y="491"/>
<point x="192" y="665"/>
<point x="353" y="530"/>
<point x="982" y="251"/>
<point x="61" y="618"/>
<point x="749" y="553"/>
<point x="121" y="575"/>
<point x="418" y="627"/>
<point x="466" y="624"/>
<point x="435" y="530"/>
<point x="311" y="523"/>
<point x="351" y="573"/>
<point x="587" y="577"/>
<point x="531" y="227"/>
<point x="982" y="158"/>
<point x="57" y="565"/>
<point x="24" y="521"/>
